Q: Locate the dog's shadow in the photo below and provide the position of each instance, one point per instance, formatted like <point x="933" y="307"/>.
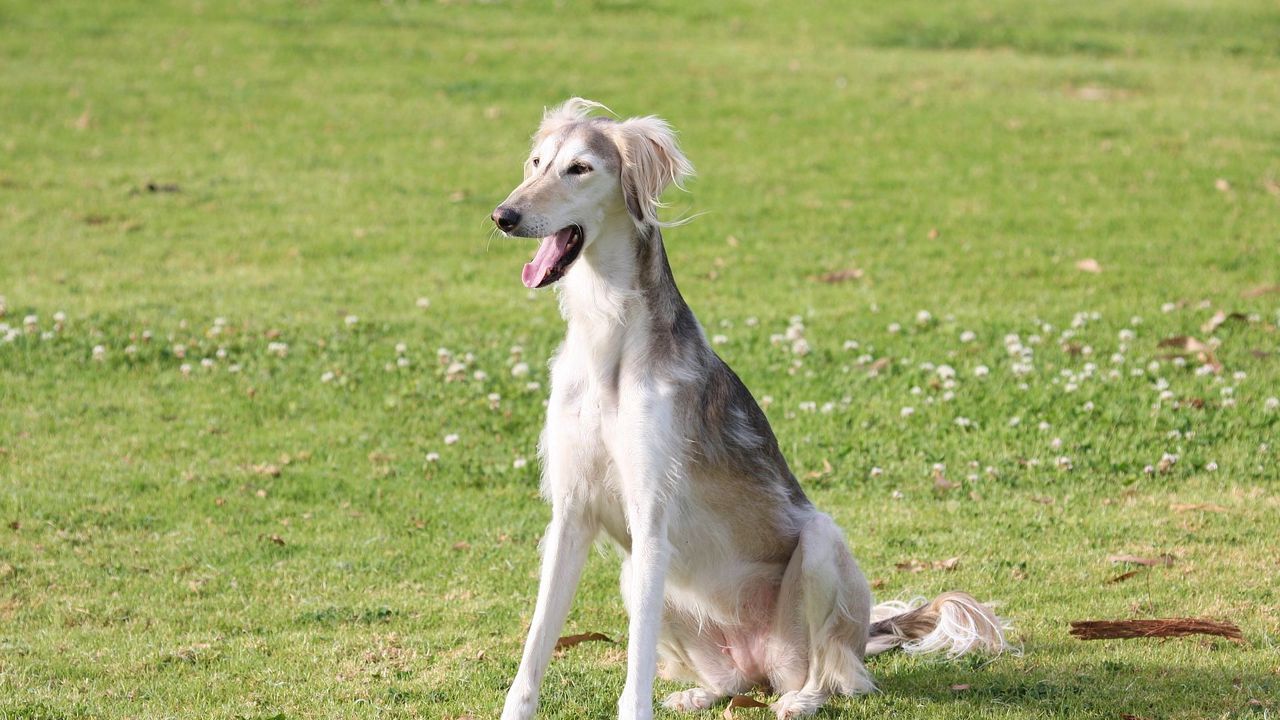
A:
<point x="1200" y="678"/>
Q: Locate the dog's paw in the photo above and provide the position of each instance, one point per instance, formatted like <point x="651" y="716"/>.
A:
<point x="689" y="700"/>
<point x="797" y="704"/>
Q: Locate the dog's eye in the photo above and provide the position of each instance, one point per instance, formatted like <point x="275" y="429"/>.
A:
<point x="536" y="161"/>
<point x="579" y="169"/>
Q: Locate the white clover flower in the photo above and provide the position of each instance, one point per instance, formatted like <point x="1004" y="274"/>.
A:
<point x="495" y="400"/>
<point x="752" y="321"/>
<point x="777" y="339"/>
<point x="1239" y="375"/>
<point x="907" y="412"/>
<point x="520" y="369"/>
<point x="1087" y="407"/>
<point x="719" y="339"/>
<point x="480" y="376"/>
<point x="519" y="463"/>
<point x="800" y="347"/>
<point x="850" y="344"/>
<point x="433" y="457"/>
<point x="1168" y="307"/>
<point x="1271" y="404"/>
<point x="981" y="371"/>
<point x="968" y="336"/>
<point x="180" y="351"/>
<point x="99" y="353"/>
<point x="185" y="368"/>
<point x="327" y="376"/>
<point x="48" y="335"/>
<point x="278" y="349"/>
<point x="948" y="396"/>
<point x="221" y="353"/>
<point x="451" y="439"/>
<point x="924" y="317"/>
<point x="894" y="328"/>
<point x="1022" y="368"/>
<point x="1211" y="466"/>
<point x="1044" y="426"/>
<point x="876" y="472"/>
<point x="963" y="422"/>
<point x="131" y="350"/>
<point x="1015" y="421"/>
<point x="946" y="372"/>
<point x="423" y="303"/>
<point x="402" y="362"/>
<point x="207" y="363"/>
<point x="233" y="368"/>
<point x="808" y="406"/>
<point x="1064" y="463"/>
<point x="897" y="495"/>
<point x="827" y="408"/>
<point x="401" y="348"/>
<point x="30" y="322"/>
<point x="795" y="332"/>
<point x="1117" y="359"/>
<point x="59" y="317"/>
<point x="351" y="320"/>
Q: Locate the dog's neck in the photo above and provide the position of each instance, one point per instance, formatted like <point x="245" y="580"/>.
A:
<point x="622" y="287"/>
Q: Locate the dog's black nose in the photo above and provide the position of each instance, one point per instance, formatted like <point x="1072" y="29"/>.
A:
<point x="506" y="218"/>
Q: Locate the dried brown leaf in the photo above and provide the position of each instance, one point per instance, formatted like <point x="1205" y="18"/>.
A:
<point x="1089" y="265"/>
<point x="825" y="471"/>
<point x="741" y="701"/>
<point x="1261" y="290"/>
<point x="1122" y="577"/>
<point x="839" y="276"/>
<point x="1162" y="560"/>
<point x="1183" y="344"/>
<point x="961" y="687"/>
<point x="569" y="641"/>
<point x="1161" y="628"/>
<point x="1219" y="318"/>
<point x="268" y="469"/>
<point x="879" y="364"/>
<point x="1191" y="507"/>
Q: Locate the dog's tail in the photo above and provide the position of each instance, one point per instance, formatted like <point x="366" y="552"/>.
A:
<point x="954" y="622"/>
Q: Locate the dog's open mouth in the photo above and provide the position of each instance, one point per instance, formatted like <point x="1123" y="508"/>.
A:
<point x="556" y="253"/>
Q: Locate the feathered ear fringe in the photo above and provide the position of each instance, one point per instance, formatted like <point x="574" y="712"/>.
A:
<point x="651" y="161"/>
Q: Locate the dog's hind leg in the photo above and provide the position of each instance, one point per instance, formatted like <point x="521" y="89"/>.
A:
<point x="820" y="635"/>
<point x="696" y="653"/>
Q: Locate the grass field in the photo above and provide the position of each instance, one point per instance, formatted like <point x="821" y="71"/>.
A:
<point x="227" y="493"/>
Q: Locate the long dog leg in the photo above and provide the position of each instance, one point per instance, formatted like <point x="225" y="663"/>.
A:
<point x="566" y="543"/>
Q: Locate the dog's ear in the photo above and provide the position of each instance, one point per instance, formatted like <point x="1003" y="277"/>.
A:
<point x="651" y="160"/>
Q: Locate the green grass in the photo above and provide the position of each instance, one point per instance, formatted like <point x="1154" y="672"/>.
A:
<point x="319" y="160"/>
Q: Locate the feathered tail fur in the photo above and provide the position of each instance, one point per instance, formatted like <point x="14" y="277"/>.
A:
<point x="954" y="622"/>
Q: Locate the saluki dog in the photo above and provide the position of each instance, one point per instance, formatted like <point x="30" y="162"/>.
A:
<point x="730" y="576"/>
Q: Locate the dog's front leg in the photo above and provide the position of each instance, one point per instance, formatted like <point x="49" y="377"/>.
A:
<point x="647" y="486"/>
<point x="648" y="569"/>
<point x="565" y="547"/>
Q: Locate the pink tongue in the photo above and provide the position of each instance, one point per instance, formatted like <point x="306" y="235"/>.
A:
<point x="549" y="253"/>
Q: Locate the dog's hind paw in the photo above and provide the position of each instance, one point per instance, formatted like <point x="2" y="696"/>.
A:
<point x="690" y="700"/>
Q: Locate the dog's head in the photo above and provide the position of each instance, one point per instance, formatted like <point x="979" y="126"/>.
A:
<point x="583" y="174"/>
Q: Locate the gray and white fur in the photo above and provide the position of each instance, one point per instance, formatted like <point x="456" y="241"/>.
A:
<point x="730" y="576"/>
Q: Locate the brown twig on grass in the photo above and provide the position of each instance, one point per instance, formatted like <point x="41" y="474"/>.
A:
<point x="1166" y="627"/>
